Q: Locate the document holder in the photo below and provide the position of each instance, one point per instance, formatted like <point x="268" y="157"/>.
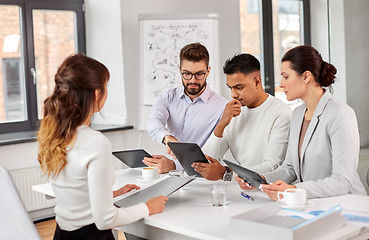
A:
<point x="261" y="223"/>
<point x="163" y="188"/>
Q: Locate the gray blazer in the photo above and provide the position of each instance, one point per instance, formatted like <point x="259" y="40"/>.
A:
<point x="329" y="151"/>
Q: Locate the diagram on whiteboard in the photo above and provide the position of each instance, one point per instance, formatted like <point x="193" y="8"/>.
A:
<point x="161" y="42"/>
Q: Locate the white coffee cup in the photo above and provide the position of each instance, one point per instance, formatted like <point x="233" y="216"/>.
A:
<point x="150" y="173"/>
<point x="293" y="197"/>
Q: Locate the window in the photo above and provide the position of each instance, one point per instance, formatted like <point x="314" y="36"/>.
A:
<point x="35" y="37"/>
<point x="13" y="104"/>
<point x="269" y="29"/>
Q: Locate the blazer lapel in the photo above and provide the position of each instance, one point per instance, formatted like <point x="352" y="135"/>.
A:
<point x="296" y="137"/>
<point x="313" y="124"/>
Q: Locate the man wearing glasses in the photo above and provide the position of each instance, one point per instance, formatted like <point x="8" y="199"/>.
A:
<point x="186" y="114"/>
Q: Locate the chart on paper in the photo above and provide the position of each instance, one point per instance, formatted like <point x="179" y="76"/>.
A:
<point x="161" y="42"/>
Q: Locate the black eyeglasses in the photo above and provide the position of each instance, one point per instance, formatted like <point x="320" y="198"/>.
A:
<point x="198" y="75"/>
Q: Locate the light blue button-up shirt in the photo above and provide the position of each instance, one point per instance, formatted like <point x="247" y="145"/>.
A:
<point x="173" y="113"/>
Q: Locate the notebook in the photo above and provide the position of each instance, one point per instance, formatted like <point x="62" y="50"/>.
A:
<point x="132" y="158"/>
<point x="187" y="153"/>
<point x="251" y="177"/>
<point x="163" y="188"/>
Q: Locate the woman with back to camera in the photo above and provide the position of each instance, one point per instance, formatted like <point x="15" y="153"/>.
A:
<point x="77" y="159"/>
<point x="323" y="149"/>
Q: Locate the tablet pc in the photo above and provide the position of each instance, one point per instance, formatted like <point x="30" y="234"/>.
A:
<point x="251" y="177"/>
<point x="187" y="153"/>
<point x="132" y="158"/>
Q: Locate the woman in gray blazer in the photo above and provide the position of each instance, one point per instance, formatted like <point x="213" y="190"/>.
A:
<point x="323" y="149"/>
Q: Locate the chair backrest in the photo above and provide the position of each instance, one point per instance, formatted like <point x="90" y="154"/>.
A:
<point x="15" y="222"/>
<point x="367" y="177"/>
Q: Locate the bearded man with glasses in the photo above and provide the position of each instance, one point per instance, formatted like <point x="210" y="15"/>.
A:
<point x="185" y="114"/>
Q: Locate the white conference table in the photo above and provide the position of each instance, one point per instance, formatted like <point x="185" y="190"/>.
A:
<point x="188" y="213"/>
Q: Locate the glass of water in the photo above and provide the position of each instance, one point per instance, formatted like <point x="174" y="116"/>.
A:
<point x="176" y="173"/>
<point x="218" y="194"/>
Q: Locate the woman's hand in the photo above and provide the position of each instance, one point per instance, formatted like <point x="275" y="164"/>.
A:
<point x="125" y="189"/>
<point x="243" y="185"/>
<point x="278" y="186"/>
<point x="156" y="204"/>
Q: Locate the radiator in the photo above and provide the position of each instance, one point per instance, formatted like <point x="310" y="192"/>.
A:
<point x="24" y="179"/>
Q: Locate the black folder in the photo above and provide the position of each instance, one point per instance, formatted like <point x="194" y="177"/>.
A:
<point x="251" y="177"/>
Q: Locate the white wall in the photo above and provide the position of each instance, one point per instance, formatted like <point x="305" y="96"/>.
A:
<point x="342" y="38"/>
<point x="337" y="47"/>
<point x="104" y="43"/>
<point x="357" y="62"/>
<point x="319" y="27"/>
<point x="324" y="28"/>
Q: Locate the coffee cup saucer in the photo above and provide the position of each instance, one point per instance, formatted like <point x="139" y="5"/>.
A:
<point x="143" y="180"/>
<point x="307" y="204"/>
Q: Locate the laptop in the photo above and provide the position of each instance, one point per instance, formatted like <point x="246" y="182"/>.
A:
<point x="132" y="158"/>
<point x="251" y="177"/>
<point x="163" y="188"/>
<point x="187" y="153"/>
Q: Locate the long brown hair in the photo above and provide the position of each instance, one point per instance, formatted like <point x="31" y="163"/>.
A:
<point x="67" y="108"/>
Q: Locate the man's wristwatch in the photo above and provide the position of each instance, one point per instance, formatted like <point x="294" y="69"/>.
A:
<point x="227" y="174"/>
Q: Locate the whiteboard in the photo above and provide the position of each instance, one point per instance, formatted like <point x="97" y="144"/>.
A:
<point x="162" y="36"/>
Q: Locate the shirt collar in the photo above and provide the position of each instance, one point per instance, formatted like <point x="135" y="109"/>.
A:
<point x="204" y="96"/>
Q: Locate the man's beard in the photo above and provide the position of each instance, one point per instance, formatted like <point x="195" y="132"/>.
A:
<point x="193" y="91"/>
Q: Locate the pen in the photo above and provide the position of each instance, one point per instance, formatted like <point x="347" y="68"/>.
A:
<point x="247" y="196"/>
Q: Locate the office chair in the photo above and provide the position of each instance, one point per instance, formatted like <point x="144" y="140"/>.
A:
<point x="15" y="222"/>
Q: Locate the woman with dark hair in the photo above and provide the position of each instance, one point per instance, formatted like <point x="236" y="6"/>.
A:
<point x="323" y="149"/>
<point x="77" y="159"/>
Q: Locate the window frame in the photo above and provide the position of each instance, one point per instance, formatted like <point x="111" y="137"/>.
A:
<point x="267" y="48"/>
<point x="26" y="29"/>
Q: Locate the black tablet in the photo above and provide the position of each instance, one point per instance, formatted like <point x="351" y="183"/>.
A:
<point x="251" y="177"/>
<point x="187" y="153"/>
<point x="132" y="158"/>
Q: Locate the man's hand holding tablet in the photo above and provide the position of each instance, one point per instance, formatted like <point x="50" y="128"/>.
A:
<point x="212" y="170"/>
<point x="250" y="178"/>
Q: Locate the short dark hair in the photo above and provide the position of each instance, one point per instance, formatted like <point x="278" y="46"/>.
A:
<point x="194" y="52"/>
<point x="306" y="58"/>
<point x="241" y="63"/>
